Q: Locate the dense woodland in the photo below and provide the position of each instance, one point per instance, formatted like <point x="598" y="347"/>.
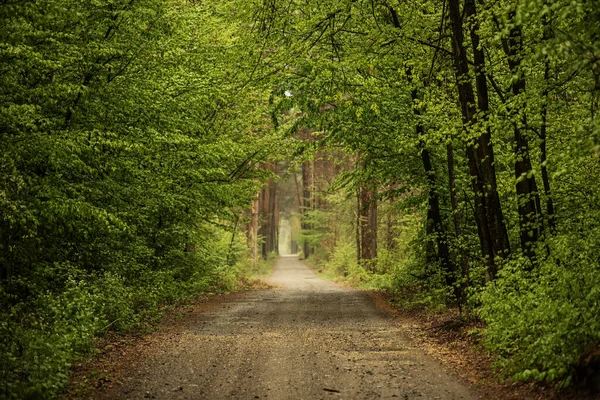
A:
<point x="151" y="149"/>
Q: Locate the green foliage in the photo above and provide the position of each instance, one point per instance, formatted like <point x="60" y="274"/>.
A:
<point x="540" y="320"/>
<point x="127" y="154"/>
<point x="38" y="349"/>
<point x="41" y="339"/>
<point x="343" y="263"/>
<point x="318" y="234"/>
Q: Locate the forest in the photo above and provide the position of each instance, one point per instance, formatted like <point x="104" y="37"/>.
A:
<point x="447" y="151"/>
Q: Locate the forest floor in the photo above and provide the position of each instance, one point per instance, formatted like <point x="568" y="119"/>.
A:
<point x="304" y="338"/>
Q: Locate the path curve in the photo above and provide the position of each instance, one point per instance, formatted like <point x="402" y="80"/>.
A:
<point x="306" y="339"/>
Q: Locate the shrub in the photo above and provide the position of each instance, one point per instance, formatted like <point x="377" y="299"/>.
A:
<point x="42" y="337"/>
<point x="541" y="319"/>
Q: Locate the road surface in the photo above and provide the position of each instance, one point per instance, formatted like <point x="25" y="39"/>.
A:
<point x="305" y="339"/>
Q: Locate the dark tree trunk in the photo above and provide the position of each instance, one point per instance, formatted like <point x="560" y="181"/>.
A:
<point x="273" y="218"/>
<point x="544" y="134"/>
<point x="390" y="244"/>
<point x="527" y="193"/>
<point x="434" y="225"/>
<point x="544" y="158"/>
<point x="434" y="218"/>
<point x="373" y="226"/>
<point x="308" y="188"/>
<point x="268" y="216"/>
<point x="253" y="228"/>
<point x="358" y="227"/>
<point x="485" y="151"/>
<point x="493" y="236"/>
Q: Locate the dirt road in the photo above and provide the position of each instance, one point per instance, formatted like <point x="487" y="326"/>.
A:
<point x="306" y="339"/>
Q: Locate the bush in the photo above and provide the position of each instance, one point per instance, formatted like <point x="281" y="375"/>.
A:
<point x="540" y="320"/>
<point x="39" y="345"/>
<point x="42" y="337"/>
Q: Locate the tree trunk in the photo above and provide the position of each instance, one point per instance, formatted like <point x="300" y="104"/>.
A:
<point x="307" y="203"/>
<point x="368" y="223"/>
<point x="389" y="239"/>
<point x="434" y="218"/>
<point x="484" y="150"/>
<point x="493" y="237"/>
<point x="268" y="217"/>
<point x="526" y="182"/>
<point x="434" y="225"/>
<point x="253" y="229"/>
<point x="274" y="218"/>
<point x="358" y="227"/>
<point x="544" y="134"/>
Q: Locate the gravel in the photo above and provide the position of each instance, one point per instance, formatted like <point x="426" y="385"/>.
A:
<point x="305" y="339"/>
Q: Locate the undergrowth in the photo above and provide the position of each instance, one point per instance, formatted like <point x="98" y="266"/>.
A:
<point x="42" y="338"/>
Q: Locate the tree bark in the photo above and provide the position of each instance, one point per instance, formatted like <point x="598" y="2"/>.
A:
<point x="253" y="229"/>
<point x="526" y="183"/>
<point x="544" y="134"/>
<point x="274" y="218"/>
<point x="434" y="225"/>
<point x="307" y="199"/>
<point x="434" y="219"/>
<point x="493" y="236"/>
<point x="358" y="227"/>
<point x="268" y="217"/>
<point x="485" y="150"/>
<point x="390" y="244"/>
<point x="457" y="221"/>
<point x="368" y="223"/>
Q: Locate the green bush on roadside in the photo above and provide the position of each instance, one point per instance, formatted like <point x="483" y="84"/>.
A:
<point x="40" y="339"/>
<point x="540" y="319"/>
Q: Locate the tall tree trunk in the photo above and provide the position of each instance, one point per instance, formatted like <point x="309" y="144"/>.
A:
<point x="268" y="217"/>
<point x="253" y="228"/>
<point x="544" y="154"/>
<point x="299" y="192"/>
<point x="434" y="218"/>
<point x="492" y="233"/>
<point x="274" y="218"/>
<point x="373" y="226"/>
<point x="358" y="226"/>
<point x="263" y="228"/>
<point x="434" y="225"/>
<point x="307" y="199"/>
<point x="526" y="183"/>
<point x="484" y="151"/>
<point x="390" y="244"/>
<point x="368" y="223"/>
<point x="544" y="134"/>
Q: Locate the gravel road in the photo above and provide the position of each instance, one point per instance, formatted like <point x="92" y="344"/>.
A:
<point x="305" y="339"/>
